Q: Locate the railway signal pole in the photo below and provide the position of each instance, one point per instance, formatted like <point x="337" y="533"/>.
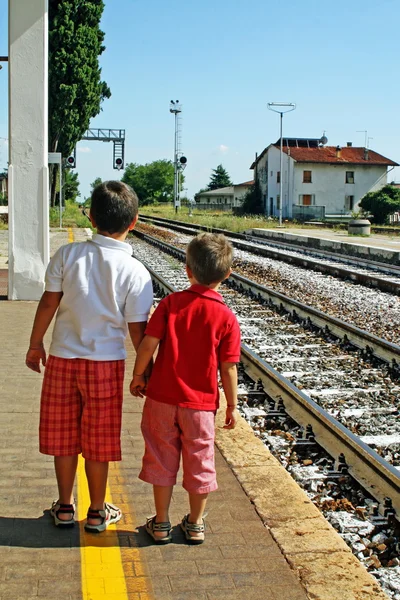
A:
<point x="179" y="160"/>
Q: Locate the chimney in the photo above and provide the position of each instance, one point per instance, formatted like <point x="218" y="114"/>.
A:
<point x="349" y="144"/>
<point x="338" y="152"/>
<point x="366" y="154"/>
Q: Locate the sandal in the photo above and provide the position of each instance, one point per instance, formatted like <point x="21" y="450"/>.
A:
<point x="110" y="514"/>
<point x="194" y="532"/>
<point x="57" y="508"/>
<point x="152" y="528"/>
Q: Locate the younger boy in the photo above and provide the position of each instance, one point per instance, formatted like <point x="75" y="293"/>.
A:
<point x="100" y="292"/>
<point x="197" y="334"/>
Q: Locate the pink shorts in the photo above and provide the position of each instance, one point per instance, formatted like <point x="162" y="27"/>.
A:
<point x="170" y="431"/>
<point x="81" y="408"/>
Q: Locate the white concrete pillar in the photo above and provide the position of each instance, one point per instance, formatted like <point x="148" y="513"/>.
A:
<point x="28" y="192"/>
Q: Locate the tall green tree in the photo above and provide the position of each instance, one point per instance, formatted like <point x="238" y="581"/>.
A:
<point x="95" y="183"/>
<point x="76" y="89"/>
<point x="252" y="202"/>
<point x="219" y="178"/>
<point x="70" y="185"/>
<point x="153" y="182"/>
<point x="381" y="203"/>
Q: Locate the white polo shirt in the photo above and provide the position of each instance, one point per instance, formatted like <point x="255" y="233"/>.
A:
<point x="104" y="288"/>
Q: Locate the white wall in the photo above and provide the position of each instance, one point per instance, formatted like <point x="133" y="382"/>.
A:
<point x="28" y="170"/>
<point x="239" y="192"/>
<point x="330" y="187"/>
<point x="270" y="188"/>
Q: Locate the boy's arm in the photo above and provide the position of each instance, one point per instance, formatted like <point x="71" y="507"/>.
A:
<point x="143" y="360"/>
<point x="136" y="332"/>
<point x="229" y="383"/>
<point x="46" y="310"/>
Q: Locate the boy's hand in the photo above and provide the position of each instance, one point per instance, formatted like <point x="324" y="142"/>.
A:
<point x="138" y="385"/>
<point x="231" y="418"/>
<point x="33" y="358"/>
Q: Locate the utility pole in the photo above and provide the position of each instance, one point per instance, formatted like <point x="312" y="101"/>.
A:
<point x="281" y="108"/>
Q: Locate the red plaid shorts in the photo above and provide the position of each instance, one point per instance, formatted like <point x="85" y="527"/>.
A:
<point x="81" y="408"/>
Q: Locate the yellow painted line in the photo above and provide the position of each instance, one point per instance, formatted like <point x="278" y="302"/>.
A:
<point x="70" y="235"/>
<point x="98" y="577"/>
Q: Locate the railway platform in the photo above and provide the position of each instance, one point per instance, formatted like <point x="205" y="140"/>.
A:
<point x="265" y="539"/>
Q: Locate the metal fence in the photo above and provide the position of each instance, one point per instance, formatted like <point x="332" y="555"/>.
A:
<point x="308" y="213"/>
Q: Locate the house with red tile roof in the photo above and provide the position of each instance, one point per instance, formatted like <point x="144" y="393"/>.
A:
<point x="318" y="180"/>
<point x="223" y="198"/>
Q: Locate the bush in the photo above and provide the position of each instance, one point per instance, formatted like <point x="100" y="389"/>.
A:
<point x="381" y="204"/>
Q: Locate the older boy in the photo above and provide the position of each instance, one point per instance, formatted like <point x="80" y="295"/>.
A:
<point x="197" y="334"/>
<point x="100" y="292"/>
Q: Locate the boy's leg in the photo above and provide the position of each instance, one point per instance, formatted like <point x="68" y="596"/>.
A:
<point x="161" y="460"/>
<point x="97" y="474"/>
<point x="199" y="477"/>
<point x="197" y="504"/>
<point x="59" y="429"/>
<point x="101" y="385"/>
<point x="162" y="501"/>
<point x="65" y="467"/>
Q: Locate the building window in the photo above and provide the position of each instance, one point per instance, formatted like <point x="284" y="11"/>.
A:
<point x="349" y="176"/>
<point x="278" y="202"/>
<point x="349" y="202"/>
<point x="307" y="199"/>
<point x="307" y="177"/>
<point x="278" y="177"/>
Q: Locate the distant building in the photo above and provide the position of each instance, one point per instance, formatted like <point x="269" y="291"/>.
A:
<point x="318" y="180"/>
<point x="224" y="198"/>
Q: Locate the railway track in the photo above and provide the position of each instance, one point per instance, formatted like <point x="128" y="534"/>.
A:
<point x="362" y="271"/>
<point x="320" y="368"/>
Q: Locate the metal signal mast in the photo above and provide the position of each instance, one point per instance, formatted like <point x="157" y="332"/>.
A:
<point x="179" y="160"/>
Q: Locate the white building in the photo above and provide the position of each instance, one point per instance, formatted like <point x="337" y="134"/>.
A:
<point x="224" y="198"/>
<point x="318" y="180"/>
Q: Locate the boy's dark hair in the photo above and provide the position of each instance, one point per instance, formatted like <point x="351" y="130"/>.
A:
<point x="113" y="206"/>
<point x="209" y="257"/>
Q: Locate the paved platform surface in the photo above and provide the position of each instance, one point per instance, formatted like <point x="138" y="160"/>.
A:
<point x="265" y="539"/>
<point x="375" y="240"/>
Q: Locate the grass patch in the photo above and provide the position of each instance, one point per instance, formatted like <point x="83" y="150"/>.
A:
<point x="72" y="216"/>
<point x="209" y="219"/>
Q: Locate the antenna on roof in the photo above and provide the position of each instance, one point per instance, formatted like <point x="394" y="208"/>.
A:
<point x="323" y="140"/>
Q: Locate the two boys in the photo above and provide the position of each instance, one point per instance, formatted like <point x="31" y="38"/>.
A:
<point x="100" y="292"/>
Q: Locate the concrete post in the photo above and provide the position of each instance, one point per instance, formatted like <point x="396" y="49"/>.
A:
<point x="28" y="192"/>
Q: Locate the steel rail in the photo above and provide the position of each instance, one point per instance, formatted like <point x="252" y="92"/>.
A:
<point x="282" y="245"/>
<point x="376" y="475"/>
<point x="387" y="351"/>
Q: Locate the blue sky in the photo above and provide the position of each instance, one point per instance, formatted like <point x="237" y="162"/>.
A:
<point x="225" y="60"/>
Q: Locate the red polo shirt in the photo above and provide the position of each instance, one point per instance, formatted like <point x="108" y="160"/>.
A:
<point x="197" y="332"/>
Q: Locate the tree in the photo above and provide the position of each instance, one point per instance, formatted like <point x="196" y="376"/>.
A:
<point x="252" y="202"/>
<point x="70" y="185"/>
<point x="382" y="203"/>
<point x="95" y="183"/>
<point x="219" y="179"/>
<point x="76" y="90"/>
<point x="153" y="181"/>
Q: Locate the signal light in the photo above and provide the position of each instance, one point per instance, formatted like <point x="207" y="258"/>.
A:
<point x="71" y="161"/>
<point x="183" y="160"/>
<point x="119" y="164"/>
